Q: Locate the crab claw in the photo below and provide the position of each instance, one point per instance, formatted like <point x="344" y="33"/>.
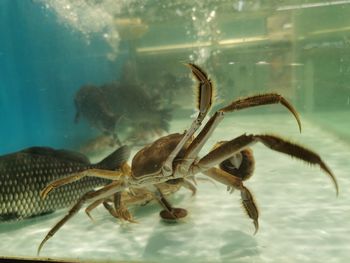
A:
<point x="205" y="91"/>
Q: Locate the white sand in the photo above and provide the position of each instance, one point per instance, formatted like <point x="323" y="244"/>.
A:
<point x="301" y="220"/>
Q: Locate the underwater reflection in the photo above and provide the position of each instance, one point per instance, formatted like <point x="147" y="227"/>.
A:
<point x="239" y="247"/>
<point x="13" y="226"/>
<point x="181" y="242"/>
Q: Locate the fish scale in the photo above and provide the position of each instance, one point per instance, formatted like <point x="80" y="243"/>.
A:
<point x="25" y="173"/>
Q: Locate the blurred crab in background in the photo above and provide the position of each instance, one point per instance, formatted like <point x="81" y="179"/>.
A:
<point x="174" y="158"/>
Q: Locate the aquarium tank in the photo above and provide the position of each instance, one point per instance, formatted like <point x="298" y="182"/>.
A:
<point x="175" y="131"/>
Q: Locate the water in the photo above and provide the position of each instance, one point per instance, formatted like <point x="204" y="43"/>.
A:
<point x="49" y="49"/>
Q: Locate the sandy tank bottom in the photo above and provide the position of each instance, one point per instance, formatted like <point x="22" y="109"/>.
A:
<point x="301" y="220"/>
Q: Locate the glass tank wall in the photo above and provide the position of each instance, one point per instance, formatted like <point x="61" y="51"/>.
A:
<point x="92" y="75"/>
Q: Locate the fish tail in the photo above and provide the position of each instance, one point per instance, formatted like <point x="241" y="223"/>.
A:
<point x="115" y="159"/>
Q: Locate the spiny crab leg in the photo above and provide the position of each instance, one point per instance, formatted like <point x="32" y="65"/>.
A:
<point x="248" y="102"/>
<point x="262" y="99"/>
<point x="91" y="196"/>
<point x="228" y="149"/>
<point x="223" y="177"/>
<point x="204" y="102"/>
<point x="250" y="206"/>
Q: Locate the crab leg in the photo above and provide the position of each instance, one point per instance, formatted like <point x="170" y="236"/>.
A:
<point x="95" y="204"/>
<point x="110" y="209"/>
<point x="92" y="207"/>
<point x="259" y="100"/>
<point x="62" y="181"/>
<point x="228" y="149"/>
<point x="159" y="196"/>
<point x="120" y="211"/>
<point x="235" y="182"/>
<point x="190" y="186"/>
<point x="169" y="212"/>
<point x="206" y="132"/>
<point x="205" y="96"/>
<point x="224" y="177"/>
<point x="199" y="142"/>
<point x="106" y="174"/>
<point x="92" y="196"/>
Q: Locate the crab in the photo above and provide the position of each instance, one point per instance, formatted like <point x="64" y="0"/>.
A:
<point x="175" y="157"/>
<point x="138" y="196"/>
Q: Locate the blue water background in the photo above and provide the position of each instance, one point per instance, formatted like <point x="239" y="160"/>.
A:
<point x="42" y="64"/>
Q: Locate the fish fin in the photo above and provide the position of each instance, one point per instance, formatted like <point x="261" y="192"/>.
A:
<point x="12" y="216"/>
<point x="43" y="213"/>
<point x="115" y="159"/>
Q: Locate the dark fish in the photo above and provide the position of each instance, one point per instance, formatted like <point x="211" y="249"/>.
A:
<point x="134" y="104"/>
<point x="90" y="103"/>
<point x="25" y="173"/>
<point x="117" y="108"/>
